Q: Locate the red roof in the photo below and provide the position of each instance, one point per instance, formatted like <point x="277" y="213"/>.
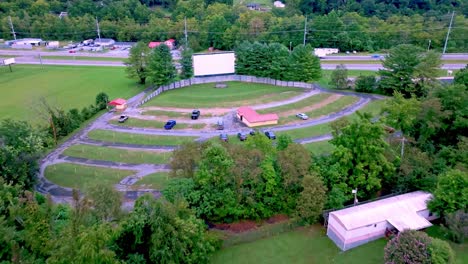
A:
<point x="154" y="44"/>
<point x="170" y="40"/>
<point x="118" y="101"/>
<point x="252" y="116"/>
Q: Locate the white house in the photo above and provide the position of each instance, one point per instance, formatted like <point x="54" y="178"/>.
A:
<point x="28" y="41"/>
<point x="104" y="42"/>
<point x="278" y="4"/>
<point x="360" y="224"/>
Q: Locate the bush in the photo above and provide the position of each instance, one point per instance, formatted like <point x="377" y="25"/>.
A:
<point x="408" y="247"/>
<point x="457" y="226"/>
<point x="101" y="101"/>
<point x="339" y="77"/>
<point x="441" y="252"/>
<point x="366" y="84"/>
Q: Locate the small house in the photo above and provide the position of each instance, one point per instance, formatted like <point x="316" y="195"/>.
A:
<point x="360" y="224"/>
<point x="278" y="4"/>
<point x="104" y="42"/>
<point x="118" y="104"/>
<point x="251" y="118"/>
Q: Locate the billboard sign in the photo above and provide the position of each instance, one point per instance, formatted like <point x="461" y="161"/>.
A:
<point x="213" y="63"/>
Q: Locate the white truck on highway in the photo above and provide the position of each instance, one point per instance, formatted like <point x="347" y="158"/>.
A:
<point x="323" y="52"/>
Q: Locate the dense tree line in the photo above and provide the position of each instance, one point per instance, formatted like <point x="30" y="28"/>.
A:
<point x="218" y="24"/>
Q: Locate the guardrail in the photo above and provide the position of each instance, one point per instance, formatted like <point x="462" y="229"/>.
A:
<point x="224" y="78"/>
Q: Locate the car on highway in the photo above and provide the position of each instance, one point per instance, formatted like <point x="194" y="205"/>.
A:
<point x="302" y="116"/>
<point x="170" y="124"/>
<point x="123" y="118"/>
<point x="195" y="114"/>
<point x="72" y="51"/>
<point x="224" y="137"/>
<point x="270" y="135"/>
<point x="376" y="56"/>
<point x="242" y="136"/>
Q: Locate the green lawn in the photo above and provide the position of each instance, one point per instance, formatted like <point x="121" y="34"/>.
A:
<point x="129" y="138"/>
<point x="172" y="114"/>
<point x="324" y="81"/>
<point x="62" y="86"/>
<point x="156" y="181"/>
<point x="80" y="176"/>
<point x="308" y="131"/>
<point x="86" y="58"/>
<point x="297" y="105"/>
<point x="236" y="94"/>
<point x="134" y="122"/>
<point x="117" y="155"/>
<point x="319" y="148"/>
<point x="304" y="245"/>
<point x="378" y="61"/>
<point x="374" y="108"/>
<point x="311" y="245"/>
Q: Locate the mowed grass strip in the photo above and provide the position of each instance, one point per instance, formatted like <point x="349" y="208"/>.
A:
<point x="135" y="122"/>
<point x="297" y="105"/>
<point x="156" y="181"/>
<point x="117" y="154"/>
<point x="304" y="245"/>
<point x="236" y="94"/>
<point x="140" y="139"/>
<point x="172" y="114"/>
<point x="82" y="58"/>
<point x="81" y="176"/>
<point x="307" y="132"/>
<point x="62" y="86"/>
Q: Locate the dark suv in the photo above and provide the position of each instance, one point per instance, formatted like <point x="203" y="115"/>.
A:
<point x="224" y="137"/>
<point x="195" y="114"/>
<point x="270" y="135"/>
<point x="242" y="136"/>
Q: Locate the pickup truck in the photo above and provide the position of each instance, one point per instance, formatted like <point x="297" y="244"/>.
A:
<point x="195" y="114"/>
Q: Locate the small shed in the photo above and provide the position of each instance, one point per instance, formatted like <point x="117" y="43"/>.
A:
<point x="360" y="224"/>
<point x="104" y="42"/>
<point x="251" y="118"/>
<point x="118" y="104"/>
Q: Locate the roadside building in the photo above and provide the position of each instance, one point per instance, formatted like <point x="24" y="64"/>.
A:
<point x="118" y="104"/>
<point x="53" y="44"/>
<point x="28" y="41"/>
<point x="251" y="118"/>
<point x="170" y="43"/>
<point x="360" y="224"/>
<point x="278" y="4"/>
<point x="104" y="42"/>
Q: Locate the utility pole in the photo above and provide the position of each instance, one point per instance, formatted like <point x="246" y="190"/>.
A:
<point x="305" y="30"/>
<point x="185" y="31"/>
<point x="12" y="28"/>
<point x="429" y="46"/>
<point x="448" y="32"/>
<point x="98" y="30"/>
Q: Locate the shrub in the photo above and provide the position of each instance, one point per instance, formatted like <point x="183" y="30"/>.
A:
<point x="339" y="77"/>
<point x="408" y="247"/>
<point x="457" y="226"/>
<point x="441" y="252"/>
<point x="101" y="101"/>
<point x="366" y="84"/>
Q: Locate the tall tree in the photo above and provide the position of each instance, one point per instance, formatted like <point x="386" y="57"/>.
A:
<point x="451" y="193"/>
<point x="161" y="70"/>
<point x="304" y="65"/>
<point x="311" y="200"/>
<point x="187" y="63"/>
<point x="137" y="62"/>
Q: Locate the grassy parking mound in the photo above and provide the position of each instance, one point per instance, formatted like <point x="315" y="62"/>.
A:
<point x="81" y="176"/>
<point x="236" y="94"/>
<point x="140" y="139"/>
<point x="157" y="181"/>
<point x="117" y="155"/>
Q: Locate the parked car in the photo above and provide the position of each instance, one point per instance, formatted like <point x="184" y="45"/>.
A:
<point x="220" y="124"/>
<point x="302" y="116"/>
<point x="253" y="132"/>
<point x="242" y="136"/>
<point x="170" y="124"/>
<point x="270" y="135"/>
<point x="123" y="118"/>
<point x="195" y="114"/>
<point x="224" y="137"/>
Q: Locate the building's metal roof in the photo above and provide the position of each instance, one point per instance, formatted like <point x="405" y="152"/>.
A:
<point x="401" y="211"/>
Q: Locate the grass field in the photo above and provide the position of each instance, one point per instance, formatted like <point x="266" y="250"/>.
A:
<point x="129" y="138"/>
<point x="172" y="114"/>
<point x="311" y="245"/>
<point x="117" y="155"/>
<point x="297" y="105"/>
<point x="85" y="58"/>
<point x="308" y="131"/>
<point x="80" y="176"/>
<point x="157" y="181"/>
<point x="62" y="86"/>
<point x="236" y="94"/>
<point x="378" y="61"/>
<point x="134" y="122"/>
<point x="324" y="81"/>
<point x="304" y="245"/>
<point x="319" y="148"/>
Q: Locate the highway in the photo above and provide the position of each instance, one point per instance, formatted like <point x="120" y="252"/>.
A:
<point x="33" y="57"/>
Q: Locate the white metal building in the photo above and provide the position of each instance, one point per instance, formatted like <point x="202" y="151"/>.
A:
<point x="360" y="224"/>
<point x="104" y="42"/>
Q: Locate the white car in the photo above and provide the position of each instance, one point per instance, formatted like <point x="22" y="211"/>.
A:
<point x="302" y="116"/>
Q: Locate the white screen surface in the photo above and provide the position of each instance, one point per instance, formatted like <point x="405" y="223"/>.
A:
<point x="213" y="63"/>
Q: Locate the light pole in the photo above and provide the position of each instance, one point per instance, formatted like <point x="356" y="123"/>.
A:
<point x="429" y="46"/>
<point x="355" y="196"/>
